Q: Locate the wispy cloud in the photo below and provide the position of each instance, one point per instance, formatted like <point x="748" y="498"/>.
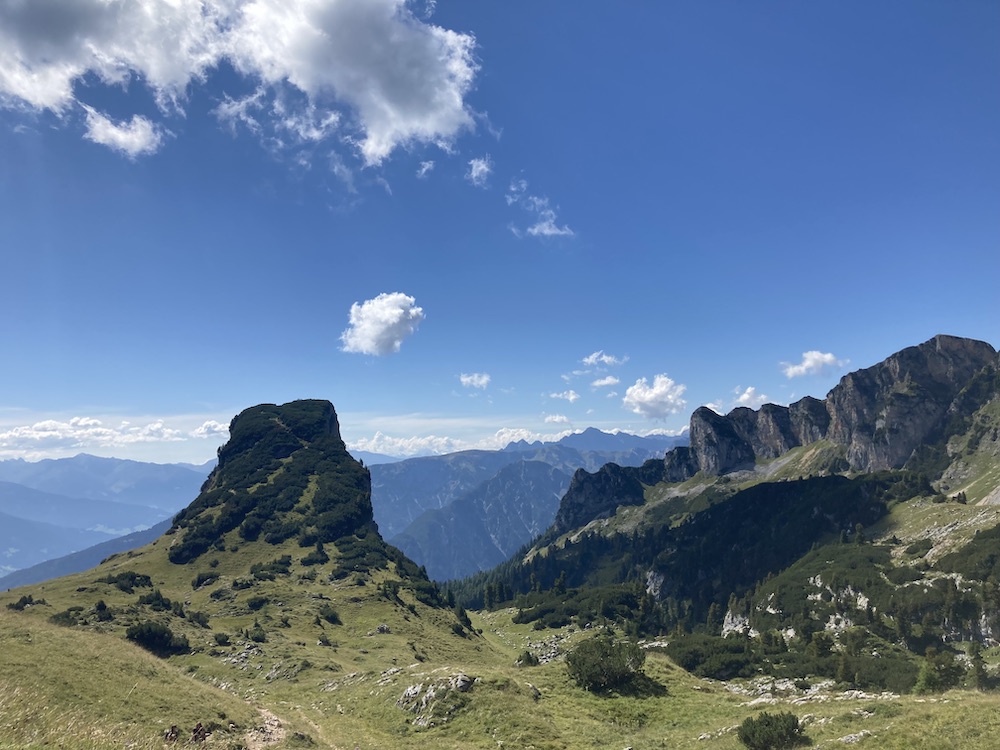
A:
<point x="479" y="171"/>
<point x="569" y="395"/>
<point x="657" y="401"/>
<point x="323" y="66"/>
<point x="600" y="358"/>
<point x="556" y="419"/>
<point x="542" y="217"/>
<point x="475" y="379"/>
<point x="378" y="326"/>
<point x="813" y="363"/>
<point x="425" y="169"/>
<point x="605" y="382"/>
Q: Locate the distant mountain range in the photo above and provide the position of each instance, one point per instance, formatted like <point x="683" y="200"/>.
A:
<point x="464" y="512"/>
<point x="84" y="559"/>
<point x="56" y="507"/>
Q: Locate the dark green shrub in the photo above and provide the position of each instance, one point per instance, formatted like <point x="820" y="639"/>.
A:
<point x="771" y="732"/>
<point x="527" y="659"/>
<point x="24" y="601"/>
<point x="198" y="618"/>
<point x="157" y="638"/>
<point x="317" y="557"/>
<point x="66" y="618"/>
<point x="102" y="612"/>
<point x="221" y="639"/>
<point x="127" y="581"/>
<point x="257" y="602"/>
<point x="256" y="633"/>
<point x="203" y="578"/>
<point x="601" y="663"/>
<point x="156" y="601"/>
<point x="329" y="614"/>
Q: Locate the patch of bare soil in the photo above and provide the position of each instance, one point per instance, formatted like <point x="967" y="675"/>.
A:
<point x="269" y="732"/>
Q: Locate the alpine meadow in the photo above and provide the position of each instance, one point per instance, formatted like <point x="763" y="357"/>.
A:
<point x="443" y="375"/>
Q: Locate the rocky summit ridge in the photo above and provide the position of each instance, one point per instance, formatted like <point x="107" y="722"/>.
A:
<point x="896" y="414"/>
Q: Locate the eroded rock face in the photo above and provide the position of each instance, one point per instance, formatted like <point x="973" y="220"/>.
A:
<point x="597" y="495"/>
<point x="881" y="415"/>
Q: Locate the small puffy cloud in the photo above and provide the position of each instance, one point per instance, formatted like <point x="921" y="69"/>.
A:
<point x="378" y="326"/>
<point x="137" y="137"/>
<point x="605" y="382"/>
<point x="750" y="397"/>
<point x="475" y="380"/>
<point x="569" y="395"/>
<point x="600" y="358"/>
<point x="211" y="429"/>
<point x="424" y="169"/>
<point x="479" y="171"/>
<point x="372" y="72"/>
<point x="556" y="419"/>
<point x="813" y="363"/>
<point x="543" y="221"/>
<point x="656" y="401"/>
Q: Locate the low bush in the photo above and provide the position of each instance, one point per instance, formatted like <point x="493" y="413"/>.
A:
<point x="602" y="663"/>
<point x="157" y="638"/>
<point x="771" y="732"/>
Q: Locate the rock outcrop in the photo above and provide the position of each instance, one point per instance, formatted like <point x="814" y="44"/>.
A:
<point x="597" y="495"/>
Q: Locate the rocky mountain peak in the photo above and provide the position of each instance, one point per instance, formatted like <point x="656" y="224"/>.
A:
<point x="880" y="414"/>
<point x="882" y="417"/>
<point x="284" y="473"/>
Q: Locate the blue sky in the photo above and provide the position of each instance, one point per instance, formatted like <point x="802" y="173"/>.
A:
<point x="469" y="222"/>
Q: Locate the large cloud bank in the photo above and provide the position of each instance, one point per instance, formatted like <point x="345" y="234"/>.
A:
<point x="370" y="71"/>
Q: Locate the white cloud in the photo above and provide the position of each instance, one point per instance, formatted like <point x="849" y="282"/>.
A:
<point x="138" y="137"/>
<point x="436" y="445"/>
<point x="425" y="168"/>
<point x="813" y="363"/>
<point x="475" y="380"/>
<point x="378" y="326"/>
<point x="78" y="433"/>
<point x="544" y="222"/>
<point x="750" y="397"/>
<point x="656" y="401"/>
<point x="479" y="171"/>
<point x="412" y="446"/>
<point x="211" y="429"/>
<point x="600" y="358"/>
<point x="370" y="70"/>
<point x="556" y="419"/>
<point x="569" y="395"/>
<point x="604" y="382"/>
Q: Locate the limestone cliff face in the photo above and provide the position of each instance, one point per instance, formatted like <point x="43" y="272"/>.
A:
<point x="597" y="495"/>
<point x="881" y="415"/>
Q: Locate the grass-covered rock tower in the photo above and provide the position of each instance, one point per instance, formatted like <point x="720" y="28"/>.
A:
<point x="284" y="473"/>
